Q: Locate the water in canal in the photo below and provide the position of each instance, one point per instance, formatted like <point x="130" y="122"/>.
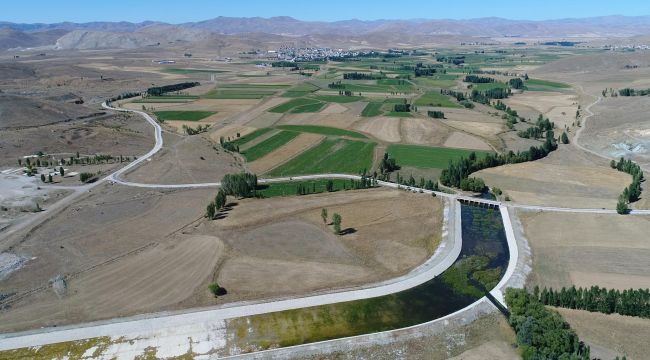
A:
<point x="480" y="266"/>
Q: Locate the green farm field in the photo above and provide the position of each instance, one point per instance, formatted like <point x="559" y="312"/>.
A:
<point x="183" y="115"/>
<point x="338" y="98"/>
<point x="268" y="145"/>
<point x="544" y="85"/>
<point x="426" y="156"/>
<point x="330" y="156"/>
<point x="255" y="134"/>
<point x="488" y="86"/>
<point x="435" y="98"/>
<point x="290" y="188"/>
<point x="372" y="109"/>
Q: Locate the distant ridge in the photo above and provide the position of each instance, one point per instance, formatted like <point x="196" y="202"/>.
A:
<point x="285" y="25"/>
<point x="136" y="34"/>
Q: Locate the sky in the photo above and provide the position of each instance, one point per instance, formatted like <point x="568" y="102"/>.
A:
<point x="174" y="11"/>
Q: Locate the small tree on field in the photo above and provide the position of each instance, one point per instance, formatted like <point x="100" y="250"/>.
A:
<point x="215" y="289"/>
<point x="43" y="177"/>
<point x="220" y="200"/>
<point x="211" y="211"/>
<point x="329" y="185"/>
<point x="336" y="221"/>
<point x="323" y="215"/>
<point x="621" y="206"/>
<point x="564" y="138"/>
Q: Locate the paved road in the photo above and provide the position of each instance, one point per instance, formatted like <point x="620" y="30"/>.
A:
<point x="115" y="177"/>
<point x="440" y="261"/>
<point x="445" y="255"/>
<point x="77" y="191"/>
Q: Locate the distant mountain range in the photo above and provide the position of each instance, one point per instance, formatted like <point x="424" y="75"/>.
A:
<point x="130" y="35"/>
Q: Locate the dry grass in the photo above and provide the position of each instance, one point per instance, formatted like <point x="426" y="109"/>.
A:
<point x="588" y="249"/>
<point x="564" y="178"/>
<point x="189" y="159"/>
<point x="611" y="335"/>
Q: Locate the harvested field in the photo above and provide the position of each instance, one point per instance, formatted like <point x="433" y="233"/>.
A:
<point x="463" y="141"/>
<point x="610" y="335"/>
<point x="588" y="249"/>
<point x="284" y="153"/>
<point x="283" y="241"/>
<point x="114" y="248"/>
<point x="135" y="283"/>
<point x="424" y="132"/>
<point x="383" y="128"/>
<point x="323" y="130"/>
<point x="230" y="132"/>
<point x="564" y="178"/>
<point x="343" y="121"/>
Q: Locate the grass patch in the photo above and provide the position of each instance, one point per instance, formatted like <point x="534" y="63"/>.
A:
<point x="323" y="130"/>
<point x="255" y="134"/>
<point x="372" y="109"/>
<point x="488" y="86"/>
<point x="180" y="71"/>
<point x="183" y="115"/>
<point x="167" y="99"/>
<point x="299" y="105"/>
<point x="255" y="86"/>
<point x="330" y="156"/>
<point x="295" y="94"/>
<point x="301" y="89"/>
<point x="259" y="150"/>
<point x="290" y="188"/>
<point x="338" y="98"/>
<point x="307" y="108"/>
<point x="400" y="114"/>
<point x="437" y="82"/>
<point x="427" y="156"/>
<point x="237" y="94"/>
<point x="356" y="86"/>
<point x="435" y="98"/>
<point x="544" y="85"/>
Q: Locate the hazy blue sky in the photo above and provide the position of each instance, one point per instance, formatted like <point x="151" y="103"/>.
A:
<point x="176" y="11"/>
